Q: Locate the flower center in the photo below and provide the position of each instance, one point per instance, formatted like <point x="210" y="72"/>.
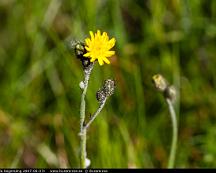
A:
<point x="98" y="48"/>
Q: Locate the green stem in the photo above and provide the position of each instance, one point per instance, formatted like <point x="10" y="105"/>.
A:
<point x="95" y="114"/>
<point x="83" y="153"/>
<point x="83" y="135"/>
<point x="83" y="149"/>
<point x="172" y="155"/>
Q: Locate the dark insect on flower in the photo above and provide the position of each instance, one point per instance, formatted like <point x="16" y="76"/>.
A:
<point x="80" y="51"/>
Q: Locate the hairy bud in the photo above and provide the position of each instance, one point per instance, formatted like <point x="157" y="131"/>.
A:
<point x="106" y="91"/>
<point x="80" y="50"/>
<point x="100" y="95"/>
<point x="159" y="82"/>
<point x="162" y="85"/>
<point x="109" y="87"/>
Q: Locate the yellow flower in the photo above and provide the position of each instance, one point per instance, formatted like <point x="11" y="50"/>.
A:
<point x="98" y="47"/>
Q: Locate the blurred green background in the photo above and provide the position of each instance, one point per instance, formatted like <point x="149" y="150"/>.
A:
<point x="40" y="94"/>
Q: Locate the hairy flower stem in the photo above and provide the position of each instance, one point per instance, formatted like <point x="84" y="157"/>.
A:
<point x="83" y="136"/>
<point x="95" y="115"/>
<point x="83" y="154"/>
<point x="174" y="135"/>
<point x="83" y="149"/>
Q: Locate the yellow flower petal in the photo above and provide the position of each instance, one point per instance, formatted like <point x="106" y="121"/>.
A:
<point x="112" y="42"/>
<point x="106" y="60"/>
<point x="100" y="61"/>
<point x="110" y="53"/>
<point x="98" y="33"/>
<point x="87" y="48"/>
<point x="87" y="55"/>
<point x="92" y="35"/>
<point x="104" y="35"/>
<point x="92" y="59"/>
<point x="87" y="41"/>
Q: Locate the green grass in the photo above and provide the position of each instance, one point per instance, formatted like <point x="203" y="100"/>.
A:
<point x="40" y="94"/>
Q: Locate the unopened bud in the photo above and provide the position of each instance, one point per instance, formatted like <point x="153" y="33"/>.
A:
<point x="160" y="82"/>
<point x="100" y="95"/>
<point x="80" y="50"/>
<point x="109" y="87"/>
<point x="106" y="91"/>
<point x="162" y="85"/>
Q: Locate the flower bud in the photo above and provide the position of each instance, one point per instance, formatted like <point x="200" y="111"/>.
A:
<point x="80" y="50"/>
<point x="109" y="87"/>
<point x="162" y="85"/>
<point x="160" y="82"/>
<point x="100" y="95"/>
<point x="106" y="91"/>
